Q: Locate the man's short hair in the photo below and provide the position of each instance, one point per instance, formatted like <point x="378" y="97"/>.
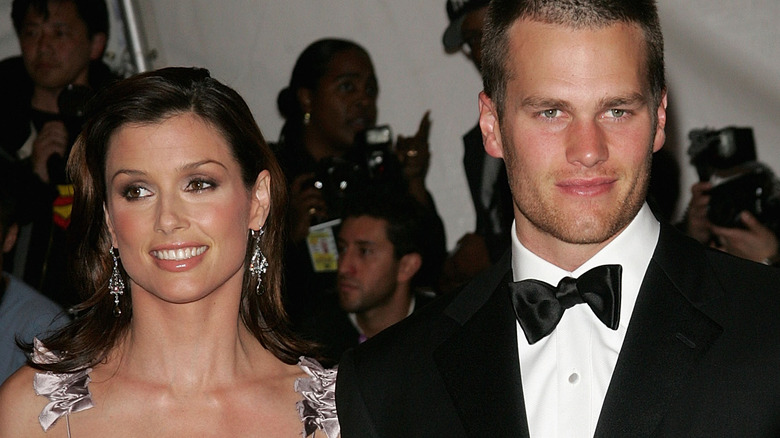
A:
<point x="401" y="212"/>
<point x="94" y="13"/>
<point x="577" y="14"/>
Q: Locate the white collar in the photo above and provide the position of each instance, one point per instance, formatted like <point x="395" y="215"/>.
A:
<point x="632" y="248"/>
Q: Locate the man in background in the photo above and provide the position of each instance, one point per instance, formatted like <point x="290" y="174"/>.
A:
<point x="486" y="175"/>
<point x="44" y="92"/>
<point x="24" y="312"/>
<point x="380" y="252"/>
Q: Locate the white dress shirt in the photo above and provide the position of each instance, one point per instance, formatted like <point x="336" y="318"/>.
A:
<point x="566" y="374"/>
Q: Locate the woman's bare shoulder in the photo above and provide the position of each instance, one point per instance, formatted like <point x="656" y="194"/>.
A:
<point x="20" y="406"/>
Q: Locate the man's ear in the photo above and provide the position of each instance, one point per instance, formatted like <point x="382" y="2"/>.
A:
<point x="488" y="124"/>
<point x="109" y="225"/>
<point x="660" y="133"/>
<point x="261" y="200"/>
<point x="97" y="46"/>
<point x="9" y="240"/>
<point x="408" y="266"/>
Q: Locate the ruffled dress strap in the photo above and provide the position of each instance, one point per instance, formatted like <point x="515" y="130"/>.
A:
<point x="318" y="406"/>
<point x="67" y="392"/>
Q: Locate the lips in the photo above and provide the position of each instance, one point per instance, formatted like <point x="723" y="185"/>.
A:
<point x="343" y="284"/>
<point x="179" y="253"/>
<point x="358" y="124"/>
<point x="587" y="187"/>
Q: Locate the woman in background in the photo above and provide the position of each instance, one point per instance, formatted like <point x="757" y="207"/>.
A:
<point x="177" y="223"/>
<point x="330" y="101"/>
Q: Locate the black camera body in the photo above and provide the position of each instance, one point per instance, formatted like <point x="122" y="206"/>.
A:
<point x="727" y="158"/>
<point x="369" y="164"/>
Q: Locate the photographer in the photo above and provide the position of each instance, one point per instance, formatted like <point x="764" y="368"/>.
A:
<point x="62" y="44"/>
<point x="328" y="106"/>
<point x="753" y="242"/>
<point x="735" y="206"/>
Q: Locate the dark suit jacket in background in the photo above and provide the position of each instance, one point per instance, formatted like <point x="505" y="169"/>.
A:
<point x="329" y="326"/>
<point x="700" y="358"/>
<point x="501" y="204"/>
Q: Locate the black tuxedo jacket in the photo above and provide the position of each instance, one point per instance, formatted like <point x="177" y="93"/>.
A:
<point x="701" y="358"/>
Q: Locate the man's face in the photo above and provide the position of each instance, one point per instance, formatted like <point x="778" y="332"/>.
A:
<point x="57" y="50"/>
<point x="368" y="269"/>
<point x="577" y="133"/>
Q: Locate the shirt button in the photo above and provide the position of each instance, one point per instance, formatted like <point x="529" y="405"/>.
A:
<point x="574" y="378"/>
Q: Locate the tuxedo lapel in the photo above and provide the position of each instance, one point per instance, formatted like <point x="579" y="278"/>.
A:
<point x="667" y="336"/>
<point x="479" y="361"/>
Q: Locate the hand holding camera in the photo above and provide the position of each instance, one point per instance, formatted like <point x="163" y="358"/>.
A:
<point x="50" y="143"/>
<point x="753" y="242"/>
<point x="736" y="205"/>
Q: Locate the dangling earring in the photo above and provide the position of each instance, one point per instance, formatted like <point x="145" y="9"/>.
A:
<point x="306" y="119"/>
<point x="116" y="286"/>
<point x="258" y="264"/>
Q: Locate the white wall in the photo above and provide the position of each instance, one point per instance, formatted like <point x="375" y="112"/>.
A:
<point x="723" y="68"/>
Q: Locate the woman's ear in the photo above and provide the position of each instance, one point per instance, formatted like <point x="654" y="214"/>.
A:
<point x="304" y="99"/>
<point x="261" y="200"/>
<point x="109" y="225"/>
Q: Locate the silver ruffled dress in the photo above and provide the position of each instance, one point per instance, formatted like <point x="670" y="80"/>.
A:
<point x="68" y="393"/>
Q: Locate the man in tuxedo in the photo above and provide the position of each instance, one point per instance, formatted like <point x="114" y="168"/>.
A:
<point x="648" y="333"/>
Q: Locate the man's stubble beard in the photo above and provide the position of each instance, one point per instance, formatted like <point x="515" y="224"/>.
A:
<point x="568" y="226"/>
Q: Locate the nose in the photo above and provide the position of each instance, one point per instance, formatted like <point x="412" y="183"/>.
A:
<point x="587" y="145"/>
<point x="346" y="264"/>
<point x="44" y="41"/>
<point x="170" y="214"/>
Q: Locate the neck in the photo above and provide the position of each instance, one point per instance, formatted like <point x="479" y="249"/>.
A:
<point x="565" y="255"/>
<point x="317" y="147"/>
<point x="189" y="346"/>
<point x="45" y="99"/>
<point x="375" y="320"/>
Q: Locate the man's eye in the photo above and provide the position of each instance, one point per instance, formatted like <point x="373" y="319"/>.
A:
<point x="550" y="113"/>
<point x="617" y="113"/>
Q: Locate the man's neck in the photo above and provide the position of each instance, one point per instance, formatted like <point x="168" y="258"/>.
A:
<point x="565" y="255"/>
<point x="375" y="320"/>
<point x="45" y="99"/>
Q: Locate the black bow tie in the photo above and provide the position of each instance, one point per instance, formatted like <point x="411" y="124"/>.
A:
<point x="539" y="306"/>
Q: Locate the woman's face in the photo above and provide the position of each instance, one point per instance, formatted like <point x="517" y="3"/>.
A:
<point x="178" y="210"/>
<point x="344" y="102"/>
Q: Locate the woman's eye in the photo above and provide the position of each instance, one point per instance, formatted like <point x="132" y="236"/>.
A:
<point x="346" y="86"/>
<point x="136" y="192"/>
<point x="199" y="185"/>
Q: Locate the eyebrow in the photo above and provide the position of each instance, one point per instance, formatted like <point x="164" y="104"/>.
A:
<point x="535" y="102"/>
<point x="186" y="167"/>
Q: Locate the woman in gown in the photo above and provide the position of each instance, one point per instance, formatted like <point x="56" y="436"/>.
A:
<point x="177" y="227"/>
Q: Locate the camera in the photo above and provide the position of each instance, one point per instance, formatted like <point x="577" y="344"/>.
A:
<point x="727" y="158"/>
<point x="71" y="104"/>
<point x="369" y="164"/>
